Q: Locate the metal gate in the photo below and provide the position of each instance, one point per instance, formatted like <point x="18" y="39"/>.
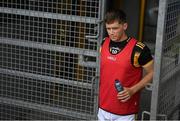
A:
<point x="165" y="102"/>
<point x="49" y="58"/>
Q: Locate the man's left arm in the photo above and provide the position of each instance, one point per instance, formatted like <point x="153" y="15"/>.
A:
<point x="147" y="78"/>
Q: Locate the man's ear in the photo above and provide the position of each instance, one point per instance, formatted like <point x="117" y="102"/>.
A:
<point x="125" y="26"/>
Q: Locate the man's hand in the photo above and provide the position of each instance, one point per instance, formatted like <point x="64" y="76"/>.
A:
<point x="125" y="95"/>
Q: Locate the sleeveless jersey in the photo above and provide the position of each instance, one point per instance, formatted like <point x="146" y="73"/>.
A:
<point x="118" y="67"/>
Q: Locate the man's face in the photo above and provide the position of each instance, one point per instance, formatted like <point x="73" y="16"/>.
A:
<point x="116" y="31"/>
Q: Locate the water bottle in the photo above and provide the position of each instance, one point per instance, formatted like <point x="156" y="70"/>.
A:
<point x="118" y="85"/>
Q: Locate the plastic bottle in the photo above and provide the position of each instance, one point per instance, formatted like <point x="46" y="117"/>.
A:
<point x="118" y="85"/>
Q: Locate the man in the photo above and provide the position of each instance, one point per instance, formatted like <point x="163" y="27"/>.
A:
<point x="122" y="58"/>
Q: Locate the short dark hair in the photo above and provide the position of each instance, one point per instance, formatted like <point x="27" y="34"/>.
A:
<point x="115" y="14"/>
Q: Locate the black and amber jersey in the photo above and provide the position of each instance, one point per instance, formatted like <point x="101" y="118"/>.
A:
<point x="141" y="54"/>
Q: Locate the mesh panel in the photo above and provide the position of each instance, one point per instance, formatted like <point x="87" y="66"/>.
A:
<point x="49" y="59"/>
<point x="168" y="98"/>
<point x="48" y="31"/>
<point x="70" y="7"/>
<point x="9" y="112"/>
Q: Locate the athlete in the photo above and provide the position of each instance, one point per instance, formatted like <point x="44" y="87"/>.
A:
<point x="123" y="58"/>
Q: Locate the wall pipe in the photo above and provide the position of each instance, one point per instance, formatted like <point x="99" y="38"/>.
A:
<point x="141" y="20"/>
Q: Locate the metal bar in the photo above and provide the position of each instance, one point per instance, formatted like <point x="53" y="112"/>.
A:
<point x="52" y="47"/>
<point x="49" y="15"/>
<point x="102" y="9"/>
<point x="46" y="78"/>
<point x="45" y="108"/>
<point x="158" y="58"/>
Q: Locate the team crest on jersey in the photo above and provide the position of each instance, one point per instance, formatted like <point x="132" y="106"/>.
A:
<point x="114" y="50"/>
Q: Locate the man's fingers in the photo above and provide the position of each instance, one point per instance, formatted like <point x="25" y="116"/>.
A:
<point x="123" y="96"/>
<point x="126" y="99"/>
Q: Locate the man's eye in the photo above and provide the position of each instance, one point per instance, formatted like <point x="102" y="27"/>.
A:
<point x="115" y="28"/>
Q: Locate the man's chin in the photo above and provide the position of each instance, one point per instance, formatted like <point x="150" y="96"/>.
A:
<point x="113" y="39"/>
